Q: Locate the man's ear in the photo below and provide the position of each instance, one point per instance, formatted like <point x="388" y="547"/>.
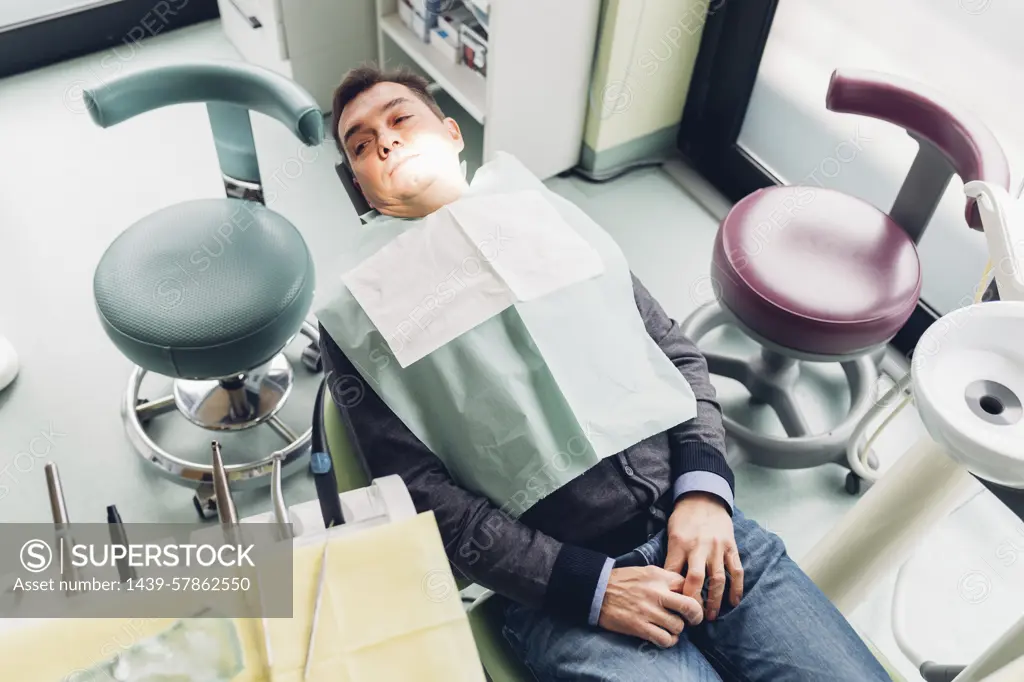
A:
<point x="456" y="132"/>
<point x="353" y="190"/>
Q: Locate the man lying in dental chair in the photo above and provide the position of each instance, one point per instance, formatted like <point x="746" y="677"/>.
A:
<point x="564" y="433"/>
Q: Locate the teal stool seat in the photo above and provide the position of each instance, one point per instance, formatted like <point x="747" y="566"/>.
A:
<point x="205" y="288"/>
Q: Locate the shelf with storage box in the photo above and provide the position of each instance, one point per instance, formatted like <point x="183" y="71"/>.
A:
<point x="520" y="69"/>
<point x="313" y="42"/>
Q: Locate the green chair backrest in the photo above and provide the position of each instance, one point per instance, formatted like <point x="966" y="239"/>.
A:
<point x="348" y="467"/>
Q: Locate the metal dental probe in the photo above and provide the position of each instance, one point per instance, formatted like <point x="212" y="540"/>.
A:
<point x="59" y="510"/>
<point x="277" y="497"/>
<point x="285" y="533"/>
<point x="118" y="537"/>
<point x="226" y="512"/>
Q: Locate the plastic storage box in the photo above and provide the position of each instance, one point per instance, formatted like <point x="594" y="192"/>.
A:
<point x="474" y="47"/>
<point x="446" y="43"/>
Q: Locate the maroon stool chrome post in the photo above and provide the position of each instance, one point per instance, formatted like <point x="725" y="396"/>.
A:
<point x="816" y="275"/>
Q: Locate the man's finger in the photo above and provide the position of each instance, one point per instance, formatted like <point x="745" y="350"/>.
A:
<point x="675" y="557"/>
<point x="687" y="607"/>
<point x="657" y="636"/>
<point x="667" y="620"/>
<point x="734" y="566"/>
<point x="716" y="583"/>
<point x="696" y="565"/>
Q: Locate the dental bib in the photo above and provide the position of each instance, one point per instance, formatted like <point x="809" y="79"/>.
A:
<point x="502" y="330"/>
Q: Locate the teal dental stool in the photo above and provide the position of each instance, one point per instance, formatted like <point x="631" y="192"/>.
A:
<point x="210" y="291"/>
<point x="486" y="613"/>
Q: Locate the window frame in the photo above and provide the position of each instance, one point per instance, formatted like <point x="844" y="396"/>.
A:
<point x="51" y="40"/>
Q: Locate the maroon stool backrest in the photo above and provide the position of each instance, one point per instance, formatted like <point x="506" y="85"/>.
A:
<point x="966" y="142"/>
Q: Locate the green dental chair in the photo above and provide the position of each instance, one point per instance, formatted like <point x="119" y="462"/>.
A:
<point x="486" y="614"/>
<point x="209" y="292"/>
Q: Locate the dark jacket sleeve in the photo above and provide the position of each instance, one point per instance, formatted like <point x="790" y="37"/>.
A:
<point x="697" y="445"/>
<point x="482" y="541"/>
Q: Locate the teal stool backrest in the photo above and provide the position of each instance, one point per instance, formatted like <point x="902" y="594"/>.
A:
<point x="230" y="90"/>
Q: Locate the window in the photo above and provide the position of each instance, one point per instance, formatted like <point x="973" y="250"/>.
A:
<point x="968" y="49"/>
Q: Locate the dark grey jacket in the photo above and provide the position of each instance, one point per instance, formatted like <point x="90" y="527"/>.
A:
<point x="557" y="555"/>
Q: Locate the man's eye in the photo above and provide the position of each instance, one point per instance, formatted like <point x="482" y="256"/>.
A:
<point x="360" y="147"/>
<point x="402" y="118"/>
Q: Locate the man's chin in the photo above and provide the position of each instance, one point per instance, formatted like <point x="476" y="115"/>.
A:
<point x="411" y="184"/>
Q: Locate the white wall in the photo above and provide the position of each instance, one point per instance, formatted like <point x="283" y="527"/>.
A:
<point x="971" y="49"/>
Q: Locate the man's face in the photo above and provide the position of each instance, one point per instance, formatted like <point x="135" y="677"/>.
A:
<point x="396" y="146"/>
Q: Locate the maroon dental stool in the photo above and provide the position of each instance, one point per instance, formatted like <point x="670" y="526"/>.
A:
<point x="816" y="275"/>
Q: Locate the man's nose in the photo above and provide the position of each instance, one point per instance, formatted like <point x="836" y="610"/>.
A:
<point x="388" y="146"/>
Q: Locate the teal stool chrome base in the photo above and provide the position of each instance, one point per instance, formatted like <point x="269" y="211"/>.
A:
<point x="236" y="403"/>
<point x="239" y="402"/>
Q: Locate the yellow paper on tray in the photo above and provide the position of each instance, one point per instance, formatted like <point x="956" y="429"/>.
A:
<point x="390" y="611"/>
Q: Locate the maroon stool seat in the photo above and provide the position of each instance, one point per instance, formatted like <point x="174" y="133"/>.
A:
<point x="816" y="270"/>
<point x="817" y="276"/>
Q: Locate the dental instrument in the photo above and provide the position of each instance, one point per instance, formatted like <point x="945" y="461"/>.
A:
<point x="59" y="510"/>
<point x="277" y="499"/>
<point x="322" y="467"/>
<point x="118" y="537"/>
<point x="226" y="512"/>
<point x="316" y="610"/>
<point x="8" y="362"/>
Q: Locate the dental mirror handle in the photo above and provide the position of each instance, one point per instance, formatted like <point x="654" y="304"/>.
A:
<point x="226" y="512"/>
<point x="118" y="537"/>
<point x="277" y="497"/>
<point x="56" y="492"/>
<point x="61" y="521"/>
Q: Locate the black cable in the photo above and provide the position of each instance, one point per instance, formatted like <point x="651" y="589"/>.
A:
<point x="322" y="466"/>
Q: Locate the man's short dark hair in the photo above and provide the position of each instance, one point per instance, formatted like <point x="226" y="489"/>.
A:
<point x="362" y="78"/>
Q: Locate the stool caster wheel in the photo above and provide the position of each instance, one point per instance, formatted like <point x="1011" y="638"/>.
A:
<point x="852" y="483"/>
<point x="312" y="359"/>
<point x="205" y="502"/>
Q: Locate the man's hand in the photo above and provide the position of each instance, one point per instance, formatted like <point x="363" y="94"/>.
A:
<point x="700" y="535"/>
<point x="645" y="602"/>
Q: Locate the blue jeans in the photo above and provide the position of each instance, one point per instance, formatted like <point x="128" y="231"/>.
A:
<point x="784" y="630"/>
